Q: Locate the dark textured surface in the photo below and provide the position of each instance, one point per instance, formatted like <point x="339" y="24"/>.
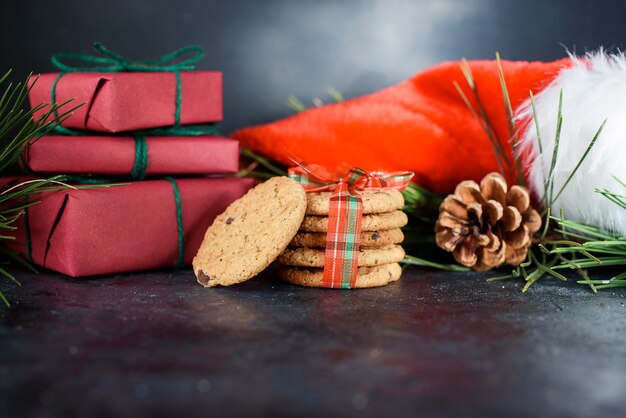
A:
<point x="434" y="344"/>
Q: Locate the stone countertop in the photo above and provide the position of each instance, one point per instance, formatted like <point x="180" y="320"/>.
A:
<point x="434" y="344"/>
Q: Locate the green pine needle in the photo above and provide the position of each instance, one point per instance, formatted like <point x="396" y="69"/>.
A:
<point x="294" y="103"/>
<point x="483" y="119"/>
<point x="337" y="96"/>
<point x="578" y="247"/>
<point x="19" y="128"/>
<point x="510" y="118"/>
<point x="415" y="261"/>
<point x="267" y="167"/>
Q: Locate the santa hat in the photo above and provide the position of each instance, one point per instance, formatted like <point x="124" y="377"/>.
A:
<point x="424" y="125"/>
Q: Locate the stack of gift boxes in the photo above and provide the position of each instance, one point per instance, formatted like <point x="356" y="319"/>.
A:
<point x="133" y="129"/>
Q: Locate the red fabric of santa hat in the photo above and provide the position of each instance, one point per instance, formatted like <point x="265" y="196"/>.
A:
<point x="423" y="125"/>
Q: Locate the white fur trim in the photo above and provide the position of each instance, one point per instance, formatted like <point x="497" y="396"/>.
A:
<point x="594" y="89"/>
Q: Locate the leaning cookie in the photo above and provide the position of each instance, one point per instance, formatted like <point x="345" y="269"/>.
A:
<point x="366" y="276"/>
<point x="374" y="222"/>
<point x="374" y="201"/>
<point x="314" y="257"/>
<point x="367" y="239"/>
<point x="251" y="233"/>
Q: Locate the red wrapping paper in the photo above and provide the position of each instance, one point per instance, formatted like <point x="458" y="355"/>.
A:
<point x="119" y="102"/>
<point x="119" y="229"/>
<point x="115" y="155"/>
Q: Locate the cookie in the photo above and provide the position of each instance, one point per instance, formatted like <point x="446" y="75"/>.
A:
<point x="251" y="233"/>
<point x="368" y="239"/>
<point x="374" y="201"/>
<point x="314" y="257"/>
<point x="373" y="222"/>
<point x="366" y="276"/>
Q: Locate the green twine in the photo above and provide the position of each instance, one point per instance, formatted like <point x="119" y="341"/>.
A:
<point x="27" y="237"/>
<point x="53" y="99"/>
<point x="111" y="62"/>
<point x="53" y="96"/>
<point x="140" y="165"/>
<point x="138" y="172"/>
<point x="179" y="224"/>
<point x="186" y="130"/>
<point x="179" y="99"/>
<point x="86" y="180"/>
<point x="141" y="158"/>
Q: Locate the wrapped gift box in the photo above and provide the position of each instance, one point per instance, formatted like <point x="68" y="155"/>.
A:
<point x="127" y="101"/>
<point x="115" y="155"/>
<point x="131" y="227"/>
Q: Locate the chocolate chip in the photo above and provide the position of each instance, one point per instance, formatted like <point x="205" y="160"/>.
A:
<point x="375" y="236"/>
<point x="203" y="278"/>
<point x="229" y="221"/>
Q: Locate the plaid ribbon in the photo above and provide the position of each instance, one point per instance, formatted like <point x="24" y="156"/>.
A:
<point x="345" y="212"/>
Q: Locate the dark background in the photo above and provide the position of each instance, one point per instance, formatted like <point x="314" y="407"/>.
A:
<point x="434" y="344"/>
<point x="271" y="49"/>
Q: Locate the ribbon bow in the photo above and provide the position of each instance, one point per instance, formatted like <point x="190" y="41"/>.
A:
<point x="345" y="214"/>
<point x="111" y="62"/>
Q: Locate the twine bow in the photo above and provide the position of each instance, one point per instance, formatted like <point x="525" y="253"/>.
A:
<point x="345" y="214"/>
<point x="111" y="62"/>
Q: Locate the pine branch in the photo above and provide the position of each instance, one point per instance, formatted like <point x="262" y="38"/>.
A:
<point x="16" y="198"/>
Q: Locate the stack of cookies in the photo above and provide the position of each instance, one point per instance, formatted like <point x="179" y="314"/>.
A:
<point x="277" y="220"/>
<point x="380" y="251"/>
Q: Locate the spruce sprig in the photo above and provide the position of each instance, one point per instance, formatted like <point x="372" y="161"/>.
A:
<point x="18" y="128"/>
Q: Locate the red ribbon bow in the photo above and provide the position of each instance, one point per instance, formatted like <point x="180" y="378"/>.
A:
<point x="345" y="213"/>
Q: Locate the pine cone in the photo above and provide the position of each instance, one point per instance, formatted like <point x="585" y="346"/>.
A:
<point x="485" y="226"/>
